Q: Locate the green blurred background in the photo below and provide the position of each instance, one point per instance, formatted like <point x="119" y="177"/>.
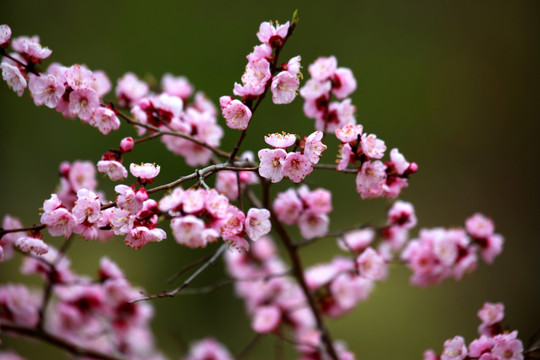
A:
<point x="453" y="84"/>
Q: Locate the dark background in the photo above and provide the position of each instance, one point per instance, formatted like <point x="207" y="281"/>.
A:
<point x="452" y="84"/>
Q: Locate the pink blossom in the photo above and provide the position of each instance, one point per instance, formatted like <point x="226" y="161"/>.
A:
<point x="140" y="236"/>
<point x="288" y="206"/>
<point x="280" y="141"/>
<point x="5" y="35"/>
<point x="120" y="220"/>
<point x="126" y="145"/>
<point x="193" y="200"/>
<point x="82" y="175"/>
<point x="339" y="115"/>
<point x="344" y="83"/>
<point x="271" y="164"/>
<point x="102" y="85"/>
<point x="146" y="172"/>
<point x="323" y="68"/>
<point x="479" y="226"/>
<point x="345" y="153"/>
<point x="31" y="48"/>
<point x="233" y="226"/>
<point x="83" y="102"/>
<point x="372" y="265"/>
<point x="319" y="200"/>
<point x="31" y="245"/>
<point x="464" y="265"/>
<point x="284" y="87"/>
<point x="349" y="133"/>
<point x="236" y="114"/>
<point x="46" y="90"/>
<point x="491" y="247"/>
<point x="402" y="214"/>
<point x="79" y="77"/>
<point x="226" y="183"/>
<point x="314" y="147"/>
<point x="105" y="120"/>
<point x="507" y="346"/>
<point x="58" y="219"/>
<point x="296" y="166"/>
<point x="372" y="147"/>
<point x="393" y="186"/>
<point x="293" y="65"/>
<point x="188" y="230"/>
<point x="347" y="290"/>
<point x="454" y="349"/>
<point x="127" y="199"/>
<point x="480" y="346"/>
<point x="313" y="225"/>
<point x="257" y="223"/>
<point x="113" y="169"/>
<point x="87" y="207"/>
<point x="314" y="89"/>
<point x="8" y="240"/>
<point x="398" y="161"/>
<point x="491" y="313"/>
<point x="129" y="90"/>
<point x="266" y="319"/>
<point x="177" y="86"/>
<point x="13" y="77"/>
<point x="356" y="240"/>
<point x="256" y="75"/>
<point x="273" y="35"/>
<point x="19" y="305"/>
<point x="263" y="51"/>
<point x="208" y="349"/>
<point x="370" y="179"/>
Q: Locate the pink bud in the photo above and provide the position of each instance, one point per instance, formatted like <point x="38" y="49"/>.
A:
<point x="412" y="168"/>
<point x="141" y="194"/>
<point x="65" y="167"/>
<point x="126" y="145"/>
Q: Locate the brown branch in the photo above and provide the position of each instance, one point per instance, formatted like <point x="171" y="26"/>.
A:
<point x="30" y="228"/>
<point x="171" y="293"/>
<point x="334" y="167"/>
<point x="57" y="341"/>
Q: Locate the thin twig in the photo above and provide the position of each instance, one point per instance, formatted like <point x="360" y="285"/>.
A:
<point x="334" y="167"/>
<point x="189" y="266"/>
<point x="249" y="346"/>
<point x="171" y="293"/>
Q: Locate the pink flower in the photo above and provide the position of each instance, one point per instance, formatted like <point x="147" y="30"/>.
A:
<point x="256" y="75"/>
<point x="58" y="219"/>
<point x="83" y="102"/>
<point x="454" y="349"/>
<point x="105" y="120"/>
<point x="314" y="147"/>
<point x="8" y="240"/>
<point x="347" y="290"/>
<point x="288" y="206"/>
<point x="480" y="346"/>
<point x="273" y="35"/>
<point x="319" y="200"/>
<point x="271" y="164"/>
<point x="263" y="51"/>
<point x="177" y="86"/>
<point x="128" y="199"/>
<point x="266" y="319"/>
<point x="398" y="161"/>
<point x="236" y="114"/>
<point x="373" y="147"/>
<point x="284" y="87"/>
<point x="344" y="83"/>
<point x="146" y="172"/>
<point x="46" y="90"/>
<point x="280" y="141"/>
<point x="19" y="305"/>
<point x="297" y="166"/>
<point x="87" y="207"/>
<point x="216" y="204"/>
<point x="79" y="77"/>
<point x="257" y="223"/>
<point x="31" y="48"/>
<point x="314" y="89"/>
<point x="372" y="265"/>
<point x="480" y="226"/>
<point x="356" y="240"/>
<point x="208" y="349"/>
<point x="402" y="214"/>
<point x="491" y="313"/>
<point x="491" y="247"/>
<point x="101" y="83"/>
<point x="120" y="220"/>
<point x="129" y="90"/>
<point x="113" y="169"/>
<point x="233" y="226"/>
<point x="349" y="133"/>
<point x="126" y="145"/>
<point x="345" y="153"/>
<point x="140" y="236"/>
<point x="507" y="346"/>
<point x="193" y="200"/>
<point x="323" y="68"/>
<point x="370" y="179"/>
<point x="5" y="35"/>
<point x="82" y="175"/>
<point x="188" y="230"/>
<point x="31" y="245"/>
<point x="13" y="77"/>
<point x="313" y="225"/>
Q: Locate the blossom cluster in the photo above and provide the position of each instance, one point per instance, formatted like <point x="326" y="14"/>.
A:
<point x="275" y="302"/>
<point x="261" y="73"/>
<point x="308" y="209"/>
<point x="296" y="165"/>
<point x="189" y="207"/>
<point x="439" y="253"/>
<point x="493" y="344"/>
<point x="172" y="111"/>
<point x="90" y="313"/>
